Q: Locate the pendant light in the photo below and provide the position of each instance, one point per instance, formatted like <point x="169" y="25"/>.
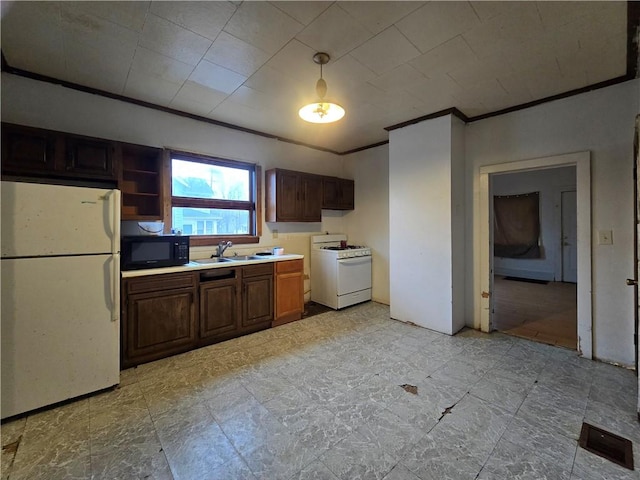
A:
<point x="321" y="111"/>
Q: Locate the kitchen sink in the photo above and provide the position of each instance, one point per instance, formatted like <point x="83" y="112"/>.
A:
<point x="238" y="258"/>
<point x="205" y="261"/>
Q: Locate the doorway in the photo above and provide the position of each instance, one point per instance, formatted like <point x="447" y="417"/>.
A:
<point x="484" y="296"/>
<point x="535" y="286"/>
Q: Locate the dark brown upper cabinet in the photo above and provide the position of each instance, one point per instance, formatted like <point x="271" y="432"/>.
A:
<point x="292" y="196"/>
<point x="27" y="150"/>
<point x="337" y="193"/>
<point x="141" y="182"/>
<point x="36" y="152"/>
<point x="90" y="158"/>
<point x="50" y="156"/>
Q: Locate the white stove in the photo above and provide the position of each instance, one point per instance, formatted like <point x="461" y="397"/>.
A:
<point x="340" y="273"/>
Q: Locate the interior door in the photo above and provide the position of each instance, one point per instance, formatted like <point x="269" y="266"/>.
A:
<point x="569" y="237"/>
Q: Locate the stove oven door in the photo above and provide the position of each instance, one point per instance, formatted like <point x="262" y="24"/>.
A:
<point x="354" y="274"/>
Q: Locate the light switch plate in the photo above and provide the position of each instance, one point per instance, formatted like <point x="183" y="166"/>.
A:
<point x="605" y="237"/>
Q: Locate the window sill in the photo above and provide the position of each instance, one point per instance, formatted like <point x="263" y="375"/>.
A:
<point x="213" y="240"/>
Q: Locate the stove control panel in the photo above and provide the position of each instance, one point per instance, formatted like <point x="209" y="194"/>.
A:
<point x="362" y="252"/>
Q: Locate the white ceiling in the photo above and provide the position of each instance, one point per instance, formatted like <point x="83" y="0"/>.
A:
<point x="250" y="63"/>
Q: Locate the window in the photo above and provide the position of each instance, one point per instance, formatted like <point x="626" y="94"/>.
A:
<point x="214" y="199"/>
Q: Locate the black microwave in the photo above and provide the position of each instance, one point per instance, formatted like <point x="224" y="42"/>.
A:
<point x="149" y="251"/>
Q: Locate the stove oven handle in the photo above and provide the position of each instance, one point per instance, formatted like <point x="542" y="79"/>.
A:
<point x="354" y="260"/>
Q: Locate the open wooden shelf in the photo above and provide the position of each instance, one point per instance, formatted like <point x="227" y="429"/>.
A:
<point x="141" y="182"/>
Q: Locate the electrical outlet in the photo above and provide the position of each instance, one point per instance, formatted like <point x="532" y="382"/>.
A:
<point x="605" y="237"/>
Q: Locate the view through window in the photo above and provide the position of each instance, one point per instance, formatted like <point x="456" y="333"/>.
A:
<point x="212" y="197"/>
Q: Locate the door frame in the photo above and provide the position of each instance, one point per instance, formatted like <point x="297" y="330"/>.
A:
<point x="483" y="291"/>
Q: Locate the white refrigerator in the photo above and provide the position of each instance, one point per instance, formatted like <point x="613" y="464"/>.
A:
<point x="60" y="261"/>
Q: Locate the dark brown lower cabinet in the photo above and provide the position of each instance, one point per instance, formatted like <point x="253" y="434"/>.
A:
<point x="159" y="317"/>
<point x="257" y="293"/>
<point x="219" y="304"/>
<point x="171" y="313"/>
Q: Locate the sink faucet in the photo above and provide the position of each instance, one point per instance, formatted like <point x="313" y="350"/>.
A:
<point x="222" y="246"/>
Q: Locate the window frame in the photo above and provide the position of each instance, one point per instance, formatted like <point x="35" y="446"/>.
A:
<point x="254" y="204"/>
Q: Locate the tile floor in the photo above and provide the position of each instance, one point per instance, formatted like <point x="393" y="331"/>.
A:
<point x="321" y="399"/>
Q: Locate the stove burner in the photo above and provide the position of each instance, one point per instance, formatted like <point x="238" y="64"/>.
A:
<point x="348" y="247"/>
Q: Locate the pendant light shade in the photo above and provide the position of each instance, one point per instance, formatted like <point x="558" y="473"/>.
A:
<point x="321" y="111"/>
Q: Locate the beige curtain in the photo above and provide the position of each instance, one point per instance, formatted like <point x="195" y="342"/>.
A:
<point x="516" y="226"/>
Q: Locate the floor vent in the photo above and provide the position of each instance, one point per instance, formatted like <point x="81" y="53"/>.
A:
<point x="607" y="445"/>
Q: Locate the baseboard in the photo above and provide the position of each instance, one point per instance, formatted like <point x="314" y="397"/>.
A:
<point x="532" y="274"/>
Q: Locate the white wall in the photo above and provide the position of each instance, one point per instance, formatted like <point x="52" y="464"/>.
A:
<point x="458" y="218"/>
<point x="550" y="183"/>
<point x="44" y="105"/>
<point x="601" y="121"/>
<point x="368" y="224"/>
<point x="422" y="161"/>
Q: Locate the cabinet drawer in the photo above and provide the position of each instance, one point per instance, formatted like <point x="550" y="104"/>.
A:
<point x="160" y="282"/>
<point x="287" y="266"/>
<point x="256" y="270"/>
<point x="216" y="274"/>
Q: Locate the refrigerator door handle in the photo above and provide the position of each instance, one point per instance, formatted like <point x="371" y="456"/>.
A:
<point x="115" y="288"/>
<point x="113" y="199"/>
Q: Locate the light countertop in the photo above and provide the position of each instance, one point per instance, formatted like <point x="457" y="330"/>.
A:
<point x="193" y="266"/>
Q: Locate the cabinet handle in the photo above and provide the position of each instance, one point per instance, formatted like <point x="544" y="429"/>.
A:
<point x="72" y="160"/>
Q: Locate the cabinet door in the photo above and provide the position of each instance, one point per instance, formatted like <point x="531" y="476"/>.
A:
<point x="257" y="300"/>
<point x="289" y="296"/>
<point x="330" y="192"/>
<point x="90" y="158"/>
<point x="311" y="192"/>
<point x="337" y="193"/>
<point x="159" y="324"/>
<point x="289" y="287"/>
<point x="218" y="308"/>
<point x="27" y="150"/>
<point x="346" y="198"/>
<point x="287" y="197"/>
